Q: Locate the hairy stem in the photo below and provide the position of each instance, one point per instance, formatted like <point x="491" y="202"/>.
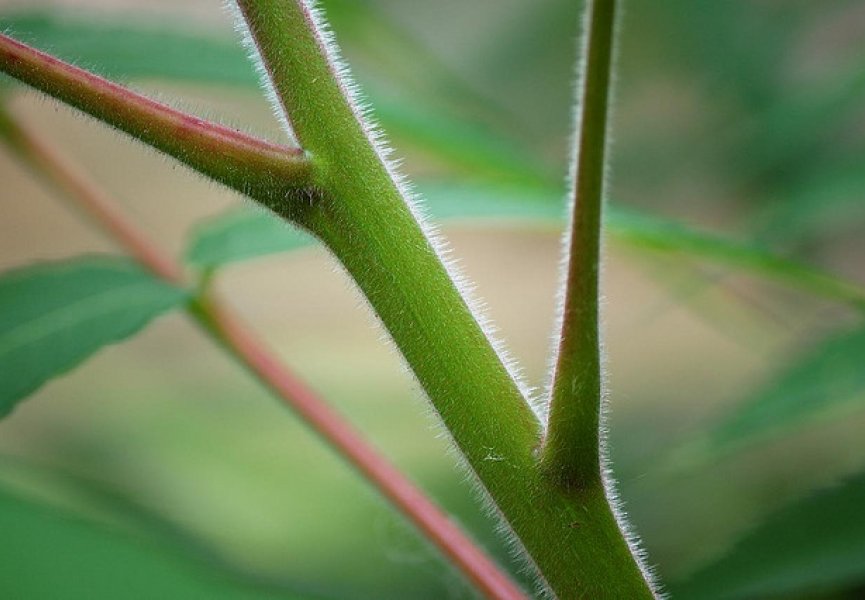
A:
<point x="244" y="163"/>
<point x="59" y="170"/>
<point x="239" y="341"/>
<point x="352" y="202"/>
<point x="572" y="536"/>
<point x="431" y="521"/>
<point x="571" y="451"/>
<point x="364" y="219"/>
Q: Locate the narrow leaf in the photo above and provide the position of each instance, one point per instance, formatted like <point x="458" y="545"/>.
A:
<point x="49" y="554"/>
<point x="828" y="202"/>
<point x="242" y="235"/>
<point x="258" y="234"/>
<point x="466" y="147"/>
<point x="662" y="235"/>
<point x="642" y="231"/>
<point x="117" y="49"/>
<point x="120" y="50"/>
<point x="816" y="544"/>
<point x="54" y="316"/>
<point x="825" y="380"/>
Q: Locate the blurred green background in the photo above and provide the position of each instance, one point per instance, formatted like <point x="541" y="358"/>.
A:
<point x="733" y="393"/>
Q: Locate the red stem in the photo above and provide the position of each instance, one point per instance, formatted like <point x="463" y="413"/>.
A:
<point x="220" y="321"/>
<point x="227" y="155"/>
<point x="410" y="500"/>
<point x="90" y="197"/>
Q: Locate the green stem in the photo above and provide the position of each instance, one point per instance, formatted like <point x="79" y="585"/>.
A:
<point x="248" y="350"/>
<point x="571" y="453"/>
<point x="351" y="202"/>
<point x="572" y="536"/>
<point x="364" y="219"/>
<point x="247" y="164"/>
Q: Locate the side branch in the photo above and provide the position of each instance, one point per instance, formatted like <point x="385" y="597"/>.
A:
<point x="366" y="222"/>
<point x="249" y="165"/>
<point x="571" y="453"/>
<point x="232" y="334"/>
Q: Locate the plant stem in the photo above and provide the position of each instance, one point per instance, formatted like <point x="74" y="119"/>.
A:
<point x="44" y="160"/>
<point x="352" y="202"/>
<point x="239" y="341"/>
<point x="366" y="222"/>
<point x="244" y="163"/>
<point x="572" y="536"/>
<point x="431" y="521"/>
<point x="571" y="453"/>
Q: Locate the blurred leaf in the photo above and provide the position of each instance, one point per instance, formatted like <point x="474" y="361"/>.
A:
<point x="241" y="235"/>
<point x="785" y="137"/>
<point x="244" y="234"/>
<point x="54" y="316"/>
<point x="658" y="234"/>
<point x="492" y="203"/>
<point x="372" y="35"/>
<point x="96" y="499"/>
<point x="816" y="544"/>
<point x="466" y="146"/>
<point x="699" y="32"/>
<point x="120" y="50"/>
<point x="827" y="202"/>
<point x="124" y="50"/>
<point x="823" y="380"/>
<point x="645" y="232"/>
<point x="47" y="554"/>
<point x="248" y="234"/>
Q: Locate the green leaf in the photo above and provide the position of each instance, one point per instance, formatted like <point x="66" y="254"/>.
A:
<point x="815" y="544"/>
<point x="827" y="202"/>
<point x="242" y="235"/>
<point x="662" y="235"/>
<point x="54" y="316"/>
<point x="121" y="50"/>
<point x="823" y="381"/>
<point x="445" y="201"/>
<point x="467" y="147"/>
<point x="246" y="234"/>
<point x="48" y="554"/>
<point x="642" y="231"/>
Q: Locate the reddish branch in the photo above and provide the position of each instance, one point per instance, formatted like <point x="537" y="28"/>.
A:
<point x="237" y="338"/>
<point x="240" y="161"/>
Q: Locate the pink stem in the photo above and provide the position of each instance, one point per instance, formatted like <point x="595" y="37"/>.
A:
<point x="410" y="500"/>
<point x="91" y="198"/>
<point x="253" y="353"/>
<point x="227" y="155"/>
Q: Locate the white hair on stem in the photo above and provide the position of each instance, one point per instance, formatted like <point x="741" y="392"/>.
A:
<point x="261" y="69"/>
<point x="609" y="483"/>
<point x="364" y="114"/>
<point x="539" y="403"/>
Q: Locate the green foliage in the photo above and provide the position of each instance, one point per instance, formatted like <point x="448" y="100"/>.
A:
<point x="773" y="135"/>
<point x="120" y="49"/>
<point x="242" y="235"/>
<point x="815" y="544"/>
<point x="54" y="316"/>
<point x="826" y="379"/>
<point x="90" y="562"/>
<point x="245" y="234"/>
<point x="662" y="235"/>
<point x="125" y="50"/>
<point x="828" y="202"/>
